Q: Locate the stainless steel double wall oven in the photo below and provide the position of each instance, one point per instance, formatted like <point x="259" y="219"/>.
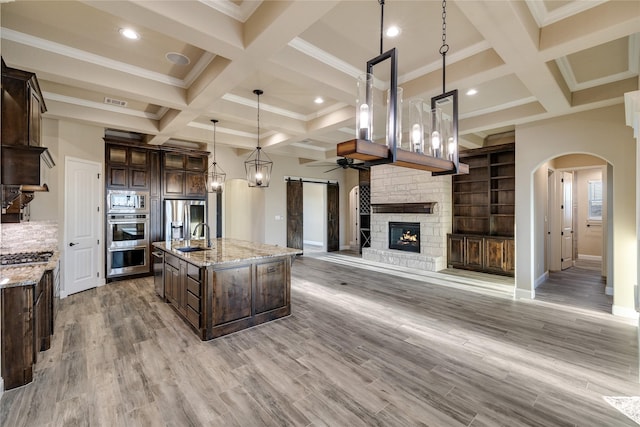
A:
<point x="127" y="232"/>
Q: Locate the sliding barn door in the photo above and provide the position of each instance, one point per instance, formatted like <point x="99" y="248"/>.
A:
<point x="294" y="214"/>
<point x="333" y="218"/>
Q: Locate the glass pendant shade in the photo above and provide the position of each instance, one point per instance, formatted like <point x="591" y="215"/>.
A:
<point x="416" y="126"/>
<point x="394" y="115"/>
<point x="435" y="133"/>
<point x="215" y="175"/>
<point x="258" y="165"/>
<point x="364" y="107"/>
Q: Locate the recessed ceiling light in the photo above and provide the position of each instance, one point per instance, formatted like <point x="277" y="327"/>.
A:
<point x="318" y="100"/>
<point x="177" y="58"/>
<point x="129" y="33"/>
<point x="393" y="31"/>
<point x="471" y="92"/>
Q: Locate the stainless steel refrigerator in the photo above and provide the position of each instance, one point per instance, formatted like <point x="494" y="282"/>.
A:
<point x="181" y="217"/>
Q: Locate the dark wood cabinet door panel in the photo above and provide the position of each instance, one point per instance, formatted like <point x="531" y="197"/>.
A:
<point x="173" y="161"/>
<point x="195" y="184"/>
<point x="139" y="179"/>
<point x="118" y="177"/>
<point x="232" y="294"/>
<point x="473" y="249"/>
<point x="174" y="183"/>
<point x="18" y="329"/>
<point x="494" y="254"/>
<point x="269" y="293"/>
<point x="455" y="250"/>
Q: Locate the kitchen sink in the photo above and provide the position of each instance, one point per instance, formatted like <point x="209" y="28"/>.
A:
<point x="191" y="249"/>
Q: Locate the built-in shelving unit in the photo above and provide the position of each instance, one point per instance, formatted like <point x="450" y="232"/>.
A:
<point x="484" y="211"/>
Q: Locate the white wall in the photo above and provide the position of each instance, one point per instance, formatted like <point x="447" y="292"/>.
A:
<point x="540" y="208"/>
<point x="538" y="142"/>
<point x="242" y="207"/>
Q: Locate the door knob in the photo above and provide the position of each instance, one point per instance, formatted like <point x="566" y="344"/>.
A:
<point x="73" y="244"/>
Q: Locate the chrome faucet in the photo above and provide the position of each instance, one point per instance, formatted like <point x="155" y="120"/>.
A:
<point x="207" y="232"/>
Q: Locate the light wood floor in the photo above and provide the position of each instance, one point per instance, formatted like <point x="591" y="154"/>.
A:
<point x="361" y="348"/>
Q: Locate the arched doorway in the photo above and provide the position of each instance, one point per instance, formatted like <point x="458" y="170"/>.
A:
<point x="570" y="195"/>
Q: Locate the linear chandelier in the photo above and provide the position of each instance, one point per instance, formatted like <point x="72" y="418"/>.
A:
<point x="432" y="142"/>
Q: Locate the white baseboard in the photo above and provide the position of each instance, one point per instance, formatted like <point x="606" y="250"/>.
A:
<point x="590" y="257"/>
<point x="627" y="313"/>
<point x="313" y="243"/>
<point x="540" y="280"/>
<point x="1" y="387"/>
<point x="524" y="294"/>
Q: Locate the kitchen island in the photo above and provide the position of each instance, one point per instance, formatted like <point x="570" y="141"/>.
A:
<point x="230" y="286"/>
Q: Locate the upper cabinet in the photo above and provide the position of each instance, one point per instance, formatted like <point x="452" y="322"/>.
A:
<point x="22" y="107"/>
<point x="127" y="167"/>
<point x="184" y="175"/>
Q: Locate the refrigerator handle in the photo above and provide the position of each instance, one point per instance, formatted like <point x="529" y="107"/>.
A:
<point x="186" y="226"/>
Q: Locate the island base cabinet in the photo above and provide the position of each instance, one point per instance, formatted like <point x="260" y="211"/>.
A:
<point x="220" y="299"/>
<point x="245" y="296"/>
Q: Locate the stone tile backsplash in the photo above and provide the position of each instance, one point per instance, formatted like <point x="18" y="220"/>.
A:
<point x="34" y="236"/>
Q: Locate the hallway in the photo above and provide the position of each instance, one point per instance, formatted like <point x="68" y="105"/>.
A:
<point x="580" y="286"/>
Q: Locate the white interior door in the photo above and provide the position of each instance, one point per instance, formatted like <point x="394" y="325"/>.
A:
<point x="82" y="225"/>
<point x="567" y="220"/>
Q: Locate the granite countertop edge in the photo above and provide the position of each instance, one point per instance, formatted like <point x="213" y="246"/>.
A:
<point x="257" y="251"/>
<point x="17" y="275"/>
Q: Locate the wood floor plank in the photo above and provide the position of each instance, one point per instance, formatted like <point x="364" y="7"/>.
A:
<point x="361" y="348"/>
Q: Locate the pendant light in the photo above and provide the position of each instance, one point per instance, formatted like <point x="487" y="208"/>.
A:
<point x="215" y="175"/>
<point x="258" y="165"/>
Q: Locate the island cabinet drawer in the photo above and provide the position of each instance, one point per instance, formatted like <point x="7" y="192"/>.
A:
<point x="172" y="260"/>
<point x="193" y="317"/>
<point x="193" y="286"/>
<point x="193" y="271"/>
<point x="193" y="302"/>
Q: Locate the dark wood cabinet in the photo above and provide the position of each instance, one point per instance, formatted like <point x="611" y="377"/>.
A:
<point x="18" y="331"/>
<point x="182" y="283"/>
<point x="184" y="175"/>
<point x="22" y="107"/>
<point x="484" y="211"/>
<point x="221" y="299"/>
<point x="127" y="167"/>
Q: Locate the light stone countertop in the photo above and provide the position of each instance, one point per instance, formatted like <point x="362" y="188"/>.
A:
<point x="26" y="274"/>
<point x="224" y="251"/>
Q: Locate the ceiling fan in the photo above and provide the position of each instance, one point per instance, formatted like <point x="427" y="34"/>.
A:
<point x="346" y="162"/>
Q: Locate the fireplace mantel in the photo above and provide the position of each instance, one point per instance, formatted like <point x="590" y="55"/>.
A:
<point x="411" y="208"/>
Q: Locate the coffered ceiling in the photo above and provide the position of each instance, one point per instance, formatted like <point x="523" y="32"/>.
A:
<point x="528" y="60"/>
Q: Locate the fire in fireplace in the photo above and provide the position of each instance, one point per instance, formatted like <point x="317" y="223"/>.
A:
<point x="404" y="236"/>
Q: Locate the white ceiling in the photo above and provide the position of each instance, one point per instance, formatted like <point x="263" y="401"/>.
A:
<point x="528" y="60"/>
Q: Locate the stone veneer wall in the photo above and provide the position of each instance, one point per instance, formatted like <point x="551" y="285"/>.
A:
<point x="393" y="184"/>
<point x="34" y="236"/>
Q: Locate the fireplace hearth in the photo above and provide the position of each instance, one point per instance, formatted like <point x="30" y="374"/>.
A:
<point x="404" y="236"/>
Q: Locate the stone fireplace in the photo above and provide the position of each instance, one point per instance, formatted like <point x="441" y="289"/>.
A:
<point x="402" y="195"/>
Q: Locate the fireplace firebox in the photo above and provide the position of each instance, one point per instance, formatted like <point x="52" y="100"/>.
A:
<point x="404" y="236"/>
